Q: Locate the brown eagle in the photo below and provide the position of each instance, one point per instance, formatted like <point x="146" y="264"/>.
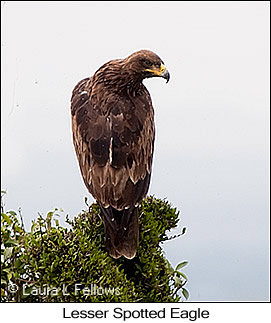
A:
<point x="113" y="135"/>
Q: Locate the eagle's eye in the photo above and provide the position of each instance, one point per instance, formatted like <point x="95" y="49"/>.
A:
<point x="146" y="62"/>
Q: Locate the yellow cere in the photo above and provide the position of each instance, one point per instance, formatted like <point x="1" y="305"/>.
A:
<point x="162" y="68"/>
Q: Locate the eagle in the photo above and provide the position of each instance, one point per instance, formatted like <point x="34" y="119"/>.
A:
<point x="113" y="135"/>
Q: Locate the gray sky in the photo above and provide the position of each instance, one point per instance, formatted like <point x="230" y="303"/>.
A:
<point x="212" y="122"/>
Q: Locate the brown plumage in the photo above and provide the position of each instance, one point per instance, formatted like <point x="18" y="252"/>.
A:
<point x="113" y="135"/>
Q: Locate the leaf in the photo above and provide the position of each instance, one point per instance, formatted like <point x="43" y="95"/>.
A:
<point x="6" y="218"/>
<point x="170" y="268"/>
<point x="138" y="267"/>
<point x="11" y="242"/>
<point x="34" y="227"/>
<point x="185" y="293"/>
<point x="183" y="275"/>
<point x="12" y="213"/>
<point x="6" y="270"/>
<point x="178" y="281"/>
<point x="18" y="263"/>
<point x="8" y="252"/>
<point x="49" y="215"/>
<point x="9" y="276"/>
<point x="181" y="265"/>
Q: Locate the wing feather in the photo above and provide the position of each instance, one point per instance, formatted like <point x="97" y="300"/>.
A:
<point x="113" y="140"/>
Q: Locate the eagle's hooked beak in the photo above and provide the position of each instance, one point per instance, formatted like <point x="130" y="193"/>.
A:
<point x="165" y="74"/>
<point x="162" y="72"/>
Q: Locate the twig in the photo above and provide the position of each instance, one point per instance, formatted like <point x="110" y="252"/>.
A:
<point x="21" y="217"/>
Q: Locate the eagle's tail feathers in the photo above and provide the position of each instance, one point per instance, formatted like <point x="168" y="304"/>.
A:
<point x="121" y="231"/>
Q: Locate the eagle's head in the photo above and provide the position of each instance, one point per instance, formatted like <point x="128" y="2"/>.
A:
<point x="146" y="64"/>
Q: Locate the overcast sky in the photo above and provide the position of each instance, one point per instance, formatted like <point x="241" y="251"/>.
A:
<point x="212" y="122"/>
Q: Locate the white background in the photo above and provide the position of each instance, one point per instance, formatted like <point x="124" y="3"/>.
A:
<point x="212" y="120"/>
<point x="222" y="313"/>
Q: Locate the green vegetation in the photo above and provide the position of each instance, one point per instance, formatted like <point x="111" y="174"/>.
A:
<point x="56" y="264"/>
